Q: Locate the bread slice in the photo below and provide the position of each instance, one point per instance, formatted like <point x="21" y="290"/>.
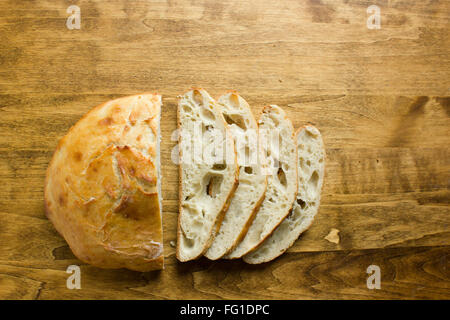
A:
<point x="252" y="181"/>
<point x="103" y="185"/>
<point x="208" y="172"/>
<point x="280" y="149"/>
<point x="311" y="168"/>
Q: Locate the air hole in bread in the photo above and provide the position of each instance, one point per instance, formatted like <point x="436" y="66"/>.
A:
<point x="235" y="119"/>
<point x="197" y="96"/>
<point x="213" y="184"/>
<point x="188" y="243"/>
<point x="312" y="184"/>
<point x="247" y="152"/>
<point x="248" y="170"/>
<point x="234" y="101"/>
<point x="301" y="203"/>
<point x="219" y="166"/>
<point x="206" y="128"/>
<point x="320" y="160"/>
<point x="282" y="177"/>
<point x="290" y="215"/>
<point x="187" y="109"/>
<point x="276" y="121"/>
<point x="308" y="163"/>
<point x="302" y="163"/>
<point x="208" y="115"/>
<point x="276" y="163"/>
<point x="311" y="134"/>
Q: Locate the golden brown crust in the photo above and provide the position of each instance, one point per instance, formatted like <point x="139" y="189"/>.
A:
<point x="101" y="185"/>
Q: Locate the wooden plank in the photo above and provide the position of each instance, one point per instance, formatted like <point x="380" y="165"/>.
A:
<point x="347" y="121"/>
<point x="308" y="47"/>
<point x="406" y="273"/>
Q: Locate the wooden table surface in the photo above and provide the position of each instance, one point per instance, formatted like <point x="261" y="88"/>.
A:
<point x="381" y="98"/>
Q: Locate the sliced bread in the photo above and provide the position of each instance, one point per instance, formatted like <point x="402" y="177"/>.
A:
<point x="280" y="151"/>
<point x="252" y="181"/>
<point x="311" y="168"/>
<point x="208" y="172"/>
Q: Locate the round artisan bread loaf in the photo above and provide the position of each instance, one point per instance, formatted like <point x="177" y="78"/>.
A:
<point x="103" y="185"/>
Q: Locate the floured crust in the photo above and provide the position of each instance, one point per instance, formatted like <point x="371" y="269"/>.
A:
<point x="101" y="188"/>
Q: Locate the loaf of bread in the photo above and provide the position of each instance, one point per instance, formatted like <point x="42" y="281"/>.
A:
<point x="280" y="150"/>
<point x="252" y="181"/>
<point x="103" y="185"/>
<point x="311" y="165"/>
<point x="208" y="172"/>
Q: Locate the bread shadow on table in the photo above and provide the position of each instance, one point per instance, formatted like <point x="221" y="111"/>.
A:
<point x="64" y="253"/>
<point x="220" y="265"/>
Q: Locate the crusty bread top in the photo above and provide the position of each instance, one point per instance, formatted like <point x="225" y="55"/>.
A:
<point x="101" y="189"/>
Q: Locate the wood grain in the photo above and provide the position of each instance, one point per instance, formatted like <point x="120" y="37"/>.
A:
<point x="379" y="97"/>
<point x="406" y="273"/>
